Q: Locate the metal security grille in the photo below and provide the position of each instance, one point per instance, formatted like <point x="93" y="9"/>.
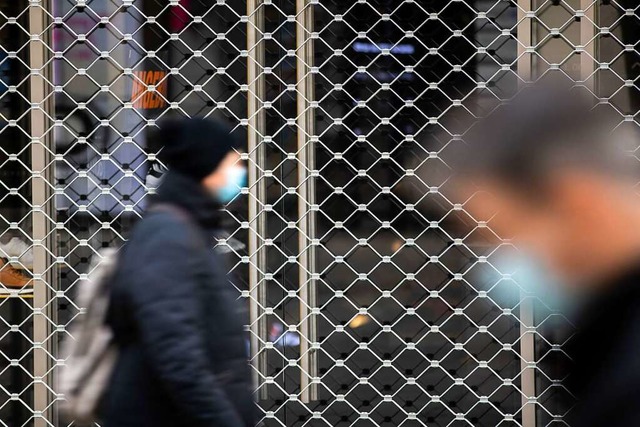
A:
<point x="374" y="298"/>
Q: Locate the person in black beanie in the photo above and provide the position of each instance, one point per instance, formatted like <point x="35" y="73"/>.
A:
<point x="174" y="314"/>
<point x="193" y="147"/>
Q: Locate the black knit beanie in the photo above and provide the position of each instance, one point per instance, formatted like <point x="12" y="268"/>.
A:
<point x="193" y="147"/>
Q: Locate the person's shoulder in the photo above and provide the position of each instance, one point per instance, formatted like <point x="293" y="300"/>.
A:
<point x="161" y="227"/>
<point x="630" y="333"/>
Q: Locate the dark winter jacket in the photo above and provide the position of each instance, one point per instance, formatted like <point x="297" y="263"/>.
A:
<point x="606" y="357"/>
<point x="183" y="357"/>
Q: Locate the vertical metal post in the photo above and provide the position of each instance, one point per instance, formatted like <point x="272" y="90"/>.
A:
<point x="524" y="33"/>
<point x="257" y="188"/>
<point x="528" y="357"/>
<point x="588" y="58"/>
<point x="306" y="198"/>
<point x="42" y="211"/>
<point x="527" y="338"/>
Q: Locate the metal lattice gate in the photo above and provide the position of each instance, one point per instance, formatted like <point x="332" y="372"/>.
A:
<point x="374" y="298"/>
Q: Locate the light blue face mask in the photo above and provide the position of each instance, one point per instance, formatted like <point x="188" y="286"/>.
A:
<point x="236" y="178"/>
<point x="534" y="278"/>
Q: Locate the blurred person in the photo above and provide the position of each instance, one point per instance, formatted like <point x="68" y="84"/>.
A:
<point x="546" y="171"/>
<point x="175" y="316"/>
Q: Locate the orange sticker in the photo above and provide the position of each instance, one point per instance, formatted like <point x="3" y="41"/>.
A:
<point x="149" y="90"/>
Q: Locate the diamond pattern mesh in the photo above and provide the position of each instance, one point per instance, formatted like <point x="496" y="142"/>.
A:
<point x="374" y="297"/>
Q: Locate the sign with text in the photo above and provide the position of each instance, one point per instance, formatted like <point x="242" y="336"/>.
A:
<point x="149" y="89"/>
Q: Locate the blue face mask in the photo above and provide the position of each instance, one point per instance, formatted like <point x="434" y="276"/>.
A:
<point x="534" y="278"/>
<point x="236" y="178"/>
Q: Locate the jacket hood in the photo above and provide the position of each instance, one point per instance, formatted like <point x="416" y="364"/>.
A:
<point x="191" y="196"/>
